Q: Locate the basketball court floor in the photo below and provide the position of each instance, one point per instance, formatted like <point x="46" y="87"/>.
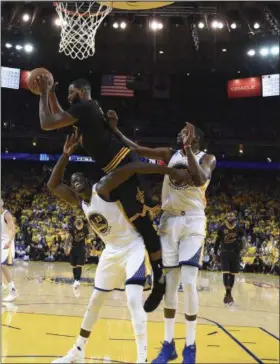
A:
<point x="45" y="320"/>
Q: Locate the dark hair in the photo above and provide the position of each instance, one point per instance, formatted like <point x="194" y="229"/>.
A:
<point x="82" y="84"/>
<point x="199" y="135"/>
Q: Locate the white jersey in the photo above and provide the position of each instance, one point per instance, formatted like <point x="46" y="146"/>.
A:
<point x="110" y="222"/>
<point x="4" y="229"/>
<point x="186" y="197"/>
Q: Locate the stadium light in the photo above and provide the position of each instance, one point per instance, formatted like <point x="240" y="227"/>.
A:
<point x="155" y="25"/>
<point x="251" y="52"/>
<point x="275" y="50"/>
<point x="201" y="25"/>
<point x="257" y="26"/>
<point x="123" y="25"/>
<point x="220" y="25"/>
<point x="8" y="45"/>
<point x="57" y="22"/>
<point x="264" y="52"/>
<point x="215" y="24"/>
<point x="28" y="48"/>
<point x="161" y="52"/>
<point x="19" y="47"/>
<point x="115" y="25"/>
<point x="233" y="26"/>
<point x="224" y="50"/>
<point x="25" y="17"/>
<point x="34" y="143"/>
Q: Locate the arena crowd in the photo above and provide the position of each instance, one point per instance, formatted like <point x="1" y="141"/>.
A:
<point x="43" y="222"/>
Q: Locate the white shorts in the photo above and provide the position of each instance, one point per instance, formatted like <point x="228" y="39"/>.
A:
<point x="121" y="267"/>
<point x="182" y="240"/>
<point x="7" y="255"/>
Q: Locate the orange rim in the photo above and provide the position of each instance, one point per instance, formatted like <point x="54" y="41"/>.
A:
<point x="85" y="15"/>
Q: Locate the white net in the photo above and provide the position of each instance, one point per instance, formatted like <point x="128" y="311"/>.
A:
<point x="79" y="23"/>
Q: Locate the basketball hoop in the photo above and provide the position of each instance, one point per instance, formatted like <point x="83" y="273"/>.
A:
<point x="79" y="23"/>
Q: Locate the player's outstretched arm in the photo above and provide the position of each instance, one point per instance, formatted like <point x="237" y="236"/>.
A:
<point x="48" y="120"/>
<point x="122" y="174"/>
<point x="199" y="172"/>
<point x="163" y="154"/>
<point x="53" y="101"/>
<point x="55" y="183"/>
<point x="11" y="228"/>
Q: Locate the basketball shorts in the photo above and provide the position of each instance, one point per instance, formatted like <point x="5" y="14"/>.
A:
<point x="77" y="256"/>
<point x="117" y="268"/>
<point x="182" y="240"/>
<point x="230" y="261"/>
<point x="8" y="255"/>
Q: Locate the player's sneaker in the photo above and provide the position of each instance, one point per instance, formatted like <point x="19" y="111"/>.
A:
<point x="189" y="354"/>
<point x="73" y="356"/>
<point x="76" y="284"/>
<point x="156" y="295"/>
<point x="230" y="300"/>
<point x="166" y="354"/>
<point x="12" y="296"/>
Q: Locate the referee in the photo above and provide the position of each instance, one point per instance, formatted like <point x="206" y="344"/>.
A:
<point x="230" y="240"/>
<point x="78" y="234"/>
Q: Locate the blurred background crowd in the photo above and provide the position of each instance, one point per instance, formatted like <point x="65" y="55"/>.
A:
<point x="43" y="222"/>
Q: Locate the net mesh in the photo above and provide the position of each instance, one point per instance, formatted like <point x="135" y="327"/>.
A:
<point x="79" y="23"/>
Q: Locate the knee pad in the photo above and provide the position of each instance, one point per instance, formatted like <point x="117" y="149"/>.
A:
<point x="171" y="290"/>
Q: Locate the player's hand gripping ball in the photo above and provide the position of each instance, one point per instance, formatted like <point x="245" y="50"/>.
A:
<point x="40" y="80"/>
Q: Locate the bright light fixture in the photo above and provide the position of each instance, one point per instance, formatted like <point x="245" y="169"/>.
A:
<point x="233" y="26"/>
<point x="18" y="47"/>
<point x="215" y="24"/>
<point x="8" y="45"/>
<point x="28" y="48"/>
<point x="224" y="49"/>
<point x="25" y="17"/>
<point x="201" y="25"/>
<point x="161" y="52"/>
<point x="123" y="25"/>
<point x="264" y="52"/>
<point x="155" y="25"/>
<point x="256" y="26"/>
<point x="274" y="50"/>
<point x="220" y="25"/>
<point x="115" y="25"/>
<point x="251" y="52"/>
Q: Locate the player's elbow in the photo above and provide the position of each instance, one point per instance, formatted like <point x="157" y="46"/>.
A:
<point x="51" y="186"/>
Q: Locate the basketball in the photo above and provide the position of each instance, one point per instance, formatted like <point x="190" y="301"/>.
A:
<point x="37" y="72"/>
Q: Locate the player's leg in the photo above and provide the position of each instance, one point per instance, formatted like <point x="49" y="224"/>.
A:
<point x="190" y="260"/>
<point x="7" y="260"/>
<point x="169" y="242"/>
<point x="73" y="263"/>
<point x="105" y="279"/>
<point x="225" y="265"/>
<point x="234" y="269"/>
<point x="135" y="268"/>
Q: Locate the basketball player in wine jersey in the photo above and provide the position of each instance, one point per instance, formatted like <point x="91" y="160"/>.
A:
<point x="8" y="250"/>
<point x="182" y="231"/>
<point x="122" y="261"/>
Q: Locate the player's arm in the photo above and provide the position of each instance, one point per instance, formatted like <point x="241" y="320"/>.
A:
<point x="53" y="101"/>
<point x="48" y="120"/>
<point x="122" y="174"/>
<point x="199" y="172"/>
<point x="163" y="154"/>
<point x="218" y="242"/>
<point x="55" y="183"/>
<point x="11" y="228"/>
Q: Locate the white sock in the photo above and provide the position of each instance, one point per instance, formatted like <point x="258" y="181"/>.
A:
<point x="169" y="325"/>
<point x="191" y="332"/>
<point x="81" y="342"/>
<point x="12" y="286"/>
<point x="141" y="343"/>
